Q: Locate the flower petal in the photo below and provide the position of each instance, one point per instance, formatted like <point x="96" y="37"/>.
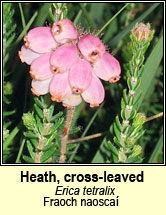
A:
<point x="95" y="93"/>
<point x="64" y="31"/>
<point x="63" y="58"/>
<point x="59" y="87"/>
<point x="40" y="87"/>
<point x="80" y="76"/>
<point x="91" y="47"/>
<point x="107" y="68"/>
<point x="72" y="101"/>
<point x="27" y="55"/>
<point x="40" y="40"/>
<point x="40" y="68"/>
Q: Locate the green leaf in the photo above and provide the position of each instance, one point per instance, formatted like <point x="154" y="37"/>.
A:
<point x="55" y="117"/>
<point x="30" y="135"/>
<point x="51" y="110"/>
<point x="113" y="148"/>
<point x="30" y="150"/>
<point x="46" y="155"/>
<point x="119" y="126"/>
<point x="49" y="147"/>
<point x="39" y="111"/>
<point x="38" y="102"/>
<point x="56" y="126"/>
<point x="125" y="96"/>
<point x="8" y="113"/>
<point x="117" y="132"/>
<point x="34" y="142"/>
<point x="28" y="159"/>
<point x="75" y="130"/>
<point x="49" y="141"/>
<point x="134" y="160"/>
<point x="39" y="124"/>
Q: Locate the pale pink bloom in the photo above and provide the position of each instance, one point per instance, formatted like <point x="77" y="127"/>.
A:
<point x="72" y="101"/>
<point x="80" y="76"/>
<point x="63" y="58"/>
<point x="64" y="31"/>
<point x="40" y="68"/>
<point x="91" y="47"/>
<point x="107" y="68"/>
<point x="63" y="70"/>
<point x="59" y="87"/>
<point x="27" y="55"/>
<point x="95" y="93"/>
<point x="41" y="40"/>
<point x="40" y="87"/>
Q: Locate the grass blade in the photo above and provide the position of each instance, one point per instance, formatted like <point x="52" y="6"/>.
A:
<point x="150" y="68"/>
<point x="86" y="16"/>
<point x="123" y="33"/>
<point x="42" y="15"/>
<point x="109" y="21"/>
<point x="156" y="151"/>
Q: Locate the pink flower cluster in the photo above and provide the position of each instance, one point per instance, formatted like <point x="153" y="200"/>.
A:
<point x="68" y="65"/>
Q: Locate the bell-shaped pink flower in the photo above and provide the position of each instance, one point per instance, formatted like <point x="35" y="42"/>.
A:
<point x="80" y="76"/>
<point x="91" y="47"/>
<point x="72" y="101"/>
<point x="95" y="93"/>
<point x="107" y="68"/>
<point x="40" y="68"/>
<point x="41" y="40"/>
<point x="59" y="87"/>
<point x="64" y="31"/>
<point x="40" y="87"/>
<point x="27" y="55"/>
<point x="63" y="58"/>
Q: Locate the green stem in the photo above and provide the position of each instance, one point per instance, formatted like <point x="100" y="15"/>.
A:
<point x="78" y="15"/>
<point x="26" y="28"/>
<point x="109" y="21"/>
<point x="86" y="16"/>
<point x="22" y="16"/>
<point x="20" y="151"/>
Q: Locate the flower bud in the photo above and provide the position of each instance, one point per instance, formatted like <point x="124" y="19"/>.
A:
<point x="142" y="31"/>
<point x="139" y="119"/>
<point x="91" y="48"/>
<point x="29" y="121"/>
<point x="40" y="40"/>
<point x="64" y="31"/>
